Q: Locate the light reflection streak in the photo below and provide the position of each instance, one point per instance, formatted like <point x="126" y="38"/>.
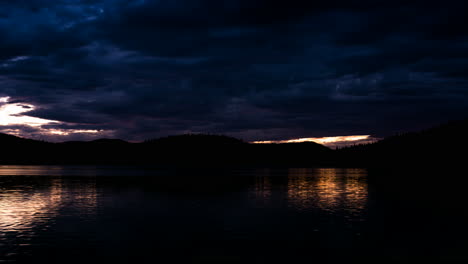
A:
<point x="328" y="189"/>
<point x="24" y="207"/>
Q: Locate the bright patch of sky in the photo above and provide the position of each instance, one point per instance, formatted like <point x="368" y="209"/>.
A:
<point x="333" y="142"/>
<point x="15" y="114"/>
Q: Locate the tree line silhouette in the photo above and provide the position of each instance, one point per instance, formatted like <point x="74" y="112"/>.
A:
<point x="445" y="144"/>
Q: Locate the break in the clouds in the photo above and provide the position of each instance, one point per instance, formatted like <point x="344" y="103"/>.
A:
<point x="14" y="120"/>
<point x="331" y="142"/>
<point x="257" y="69"/>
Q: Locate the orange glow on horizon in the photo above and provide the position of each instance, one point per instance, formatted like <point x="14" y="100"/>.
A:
<point x="321" y="140"/>
<point x="62" y="132"/>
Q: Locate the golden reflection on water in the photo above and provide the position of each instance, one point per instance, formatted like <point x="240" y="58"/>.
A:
<point x="329" y="189"/>
<point x="41" y="170"/>
<point x="30" y="170"/>
<point x="25" y="207"/>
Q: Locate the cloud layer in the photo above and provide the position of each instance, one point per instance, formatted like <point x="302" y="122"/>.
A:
<point x="258" y="70"/>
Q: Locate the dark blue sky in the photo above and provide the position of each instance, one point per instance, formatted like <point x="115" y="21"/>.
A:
<point x="254" y="69"/>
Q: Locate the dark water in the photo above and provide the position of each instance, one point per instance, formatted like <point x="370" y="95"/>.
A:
<point x="128" y="215"/>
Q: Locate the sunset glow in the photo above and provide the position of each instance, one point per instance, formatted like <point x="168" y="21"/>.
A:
<point x="62" y="132"/>
<point x="327" y="141"/>
<point x="15" y="114"/>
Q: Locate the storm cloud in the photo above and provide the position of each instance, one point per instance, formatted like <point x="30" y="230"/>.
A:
<point x="257" y="70"/>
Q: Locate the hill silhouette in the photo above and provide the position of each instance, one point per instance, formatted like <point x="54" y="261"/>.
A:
<point x="436" y="146"/>
<point x="218" y="150"/>
<point x="183" y="150"/>
<point x="442" y="145"/>
<point x="194" y="140"/>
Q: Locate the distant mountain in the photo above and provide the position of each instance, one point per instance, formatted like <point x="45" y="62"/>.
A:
<point x="17" y="150"/>
<point x="183" y="150"/>
<point x="109" y="141"/>
<point x="445" y="145"/>
<point x="105" y="141"/>
<point x="196" y="140"/>
<point x="6" y="139"/>
<point x="219" y="150"/>
<point x="442" y="145"/>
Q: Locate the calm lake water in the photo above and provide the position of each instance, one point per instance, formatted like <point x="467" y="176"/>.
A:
<point x="53" y="214"/>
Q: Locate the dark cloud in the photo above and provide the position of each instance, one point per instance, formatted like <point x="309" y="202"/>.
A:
<point x="253" y="69"/>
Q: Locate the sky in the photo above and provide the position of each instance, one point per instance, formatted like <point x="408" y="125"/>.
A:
<point x="259" y="70"/>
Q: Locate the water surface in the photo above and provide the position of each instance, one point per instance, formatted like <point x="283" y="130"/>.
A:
<point x="51" y="214"/>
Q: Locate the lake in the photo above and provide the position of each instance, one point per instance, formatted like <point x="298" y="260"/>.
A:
<point x="76" y="214"/>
